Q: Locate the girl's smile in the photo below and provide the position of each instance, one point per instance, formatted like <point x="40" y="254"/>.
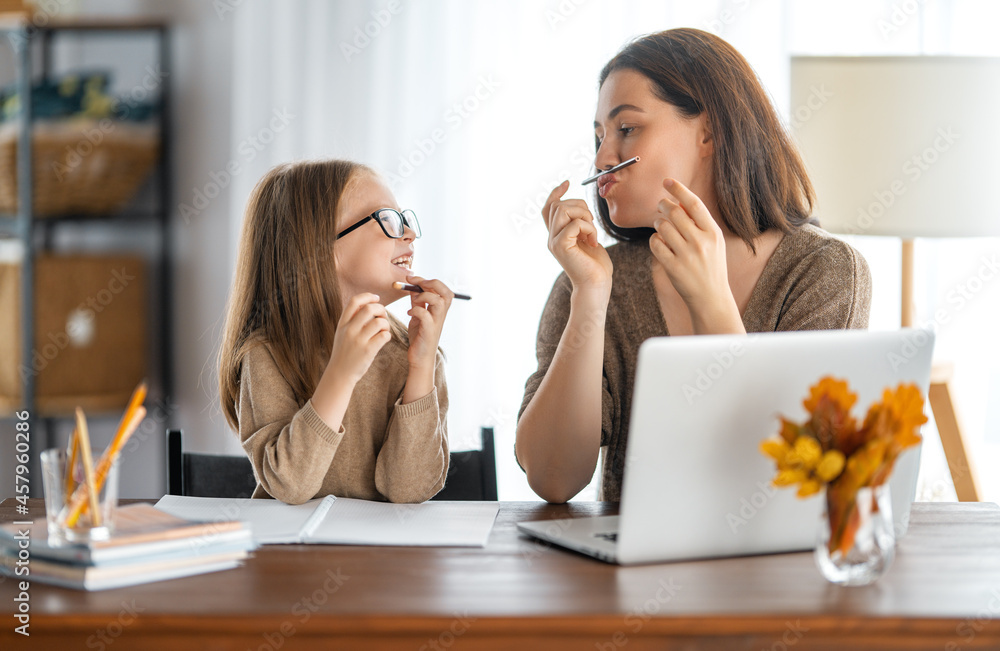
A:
<point x="405" y="262"/>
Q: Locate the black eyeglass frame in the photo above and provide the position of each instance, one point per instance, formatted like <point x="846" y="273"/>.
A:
<point x="404" y="217"/>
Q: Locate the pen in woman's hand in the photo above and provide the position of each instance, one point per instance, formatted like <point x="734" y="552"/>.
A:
<point x="613" y="169"/>
<point x="418" y="288"/>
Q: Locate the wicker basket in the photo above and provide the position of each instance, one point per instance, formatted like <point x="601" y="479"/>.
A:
<point x="81" y="167"/>
<point x="90" y="333"/>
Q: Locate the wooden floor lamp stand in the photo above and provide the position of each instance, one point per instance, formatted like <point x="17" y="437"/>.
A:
<point x="962" y="471"/>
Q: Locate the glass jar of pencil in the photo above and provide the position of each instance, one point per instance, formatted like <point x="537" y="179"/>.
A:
<point x="74" y="512"/>
<point x="81" y="494"/>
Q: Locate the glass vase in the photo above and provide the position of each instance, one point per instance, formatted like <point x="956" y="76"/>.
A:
<point x="856" y="542"/>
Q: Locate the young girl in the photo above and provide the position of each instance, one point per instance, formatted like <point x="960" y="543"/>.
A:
<point x="329" y="392"/>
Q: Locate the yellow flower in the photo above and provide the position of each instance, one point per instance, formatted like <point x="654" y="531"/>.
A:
<point x="807" y="451"/>
<point x="830" y="466"/>
<point x="803" y="463"/>
<point x="809" y="487"/>
<point x="790" y="477"/>
<point x="776" y="449"/>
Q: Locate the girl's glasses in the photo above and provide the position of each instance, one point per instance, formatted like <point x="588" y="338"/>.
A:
<point x="391" y="221"/>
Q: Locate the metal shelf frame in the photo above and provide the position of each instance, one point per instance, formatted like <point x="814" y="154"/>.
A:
<point x="21" y="37"/>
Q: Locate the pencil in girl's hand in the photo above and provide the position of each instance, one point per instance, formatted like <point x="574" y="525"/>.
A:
<point x="418" y="288"/>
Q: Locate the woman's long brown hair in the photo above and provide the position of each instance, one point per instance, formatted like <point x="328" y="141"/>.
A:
<point x="760" y="180"/>
<point x="285" y="290"/>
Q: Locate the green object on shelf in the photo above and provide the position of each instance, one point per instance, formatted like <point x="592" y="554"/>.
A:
<point x="79" y="94"/>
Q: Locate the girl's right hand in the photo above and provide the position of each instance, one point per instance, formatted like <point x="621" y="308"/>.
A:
<point x="362" y="331"/>
<point x="573" y="241"/>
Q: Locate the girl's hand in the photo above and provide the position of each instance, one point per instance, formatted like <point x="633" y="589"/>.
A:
<point x="427" y="313"/>
<point x="362" y="331"/>
<point x="573" y="241"/>
<point x="692" y="249"/>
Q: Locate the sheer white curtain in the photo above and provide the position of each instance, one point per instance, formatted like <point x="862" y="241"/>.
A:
<point x="476" y="109"/>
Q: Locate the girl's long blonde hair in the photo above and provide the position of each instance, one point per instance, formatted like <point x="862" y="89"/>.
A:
<point x="285" y="290"/>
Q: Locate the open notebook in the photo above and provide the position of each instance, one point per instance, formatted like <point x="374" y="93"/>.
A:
<point x="345" y="521"/>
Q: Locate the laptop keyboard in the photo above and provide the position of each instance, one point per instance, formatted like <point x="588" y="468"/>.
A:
<point x="610" y="536"/>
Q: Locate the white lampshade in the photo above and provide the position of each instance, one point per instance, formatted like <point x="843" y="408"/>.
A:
<point x="902" y="146"/>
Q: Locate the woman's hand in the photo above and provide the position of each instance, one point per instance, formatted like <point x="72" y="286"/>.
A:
<point x="573" y="241"/>
<point x="691" y="247"/>
<point x="362" y="331"/>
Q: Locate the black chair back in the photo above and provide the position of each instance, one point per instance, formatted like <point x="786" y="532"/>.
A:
<point x="472" y="474"/>
<point x="206" y="475"/>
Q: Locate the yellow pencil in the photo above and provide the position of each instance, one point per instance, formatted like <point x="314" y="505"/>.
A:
<point x="138" y="414"/>
<point x="71" y="465"/>
<point x="88" y="467"/>
<point x="78" y="505"/>
<point x="138" y="397"/>
<point x="79" y="502"/>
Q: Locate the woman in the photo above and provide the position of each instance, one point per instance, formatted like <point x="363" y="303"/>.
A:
<point x="714" y="236"/>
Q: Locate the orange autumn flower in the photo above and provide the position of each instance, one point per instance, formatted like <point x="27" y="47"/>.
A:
<point x="829" y="406"/>
<point x="896" y="420"/>
<point x="830" y="451"/>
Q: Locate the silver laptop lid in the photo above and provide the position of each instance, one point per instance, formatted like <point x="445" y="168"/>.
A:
<point x="696" y="484"/>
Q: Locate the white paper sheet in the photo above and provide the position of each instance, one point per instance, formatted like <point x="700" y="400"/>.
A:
<point x="347" y="521"/>
<point x="270" y="520"/>
<point x="431" y="524"/>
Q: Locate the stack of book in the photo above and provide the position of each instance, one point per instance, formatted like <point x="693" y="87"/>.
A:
<point x="147" y="545"/>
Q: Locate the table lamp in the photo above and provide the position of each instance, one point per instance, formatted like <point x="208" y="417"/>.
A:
<point x="905" y="147"/>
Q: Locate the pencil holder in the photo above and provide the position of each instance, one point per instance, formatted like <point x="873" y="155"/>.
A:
<point x="68" y="507"/>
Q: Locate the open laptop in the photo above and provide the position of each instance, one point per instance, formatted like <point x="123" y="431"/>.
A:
<point x="696" y="484"/>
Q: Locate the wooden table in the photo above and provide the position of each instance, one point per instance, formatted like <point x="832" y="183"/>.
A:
<point x="942" y="593"/>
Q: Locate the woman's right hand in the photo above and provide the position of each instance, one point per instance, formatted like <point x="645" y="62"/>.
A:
<point x="362" y="331"/>
<point x="573" y="241"/>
